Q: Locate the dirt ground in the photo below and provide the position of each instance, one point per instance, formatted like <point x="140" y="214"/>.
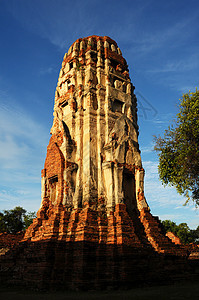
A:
<point x="178" y="291"/>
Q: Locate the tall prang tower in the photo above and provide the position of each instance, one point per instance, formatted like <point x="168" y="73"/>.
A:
<point x="93" y="179"/>
<point x="94" y="133"/>
<point x="94" y="228"/>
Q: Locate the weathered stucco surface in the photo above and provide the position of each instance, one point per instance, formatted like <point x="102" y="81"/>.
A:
<point x="93" y="169"/>
<point x="94" y="130"/>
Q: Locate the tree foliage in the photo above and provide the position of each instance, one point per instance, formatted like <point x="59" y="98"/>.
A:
<point x="28" y="219"/>
<point x="178" y="150"/>
<point x="15" y="220"/>
<point x="182" y="231"/>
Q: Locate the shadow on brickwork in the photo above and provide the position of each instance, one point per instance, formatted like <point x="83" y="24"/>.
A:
<point x="52" y="265"/>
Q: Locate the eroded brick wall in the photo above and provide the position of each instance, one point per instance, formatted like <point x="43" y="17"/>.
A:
<point x="8" y="240"/>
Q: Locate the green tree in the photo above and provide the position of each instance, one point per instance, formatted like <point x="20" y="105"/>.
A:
<point x="195" y="235"/>
<point x="2" y="223"/>
<point x="15" y="220"/>
<point x="169" y="226"/>
<point x="178" y="150"/>
<point x="182" y="231"/>
<point x="28" y="219"/>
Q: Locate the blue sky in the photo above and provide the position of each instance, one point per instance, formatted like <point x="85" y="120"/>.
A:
<point x="159" y="40"/>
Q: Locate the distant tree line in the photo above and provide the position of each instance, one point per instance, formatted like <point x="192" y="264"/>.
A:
<point x="15" y="220"/>
<point x="182" y="231"/>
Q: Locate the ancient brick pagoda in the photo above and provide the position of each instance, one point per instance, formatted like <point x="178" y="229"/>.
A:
<point x="93" y="179"/>
<point x="94" y="224"/>
<point x="93" y="170"/>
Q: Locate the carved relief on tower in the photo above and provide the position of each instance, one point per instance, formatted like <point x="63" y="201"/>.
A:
<point x="70" y="169"/>
<point x="123" y="142"/>
<point x="90" y="77"/>
<point x="121" y="158"/>
<point x="118" y="84"/>
<point x="58" y="115"/>
<point x="128" y="88"/>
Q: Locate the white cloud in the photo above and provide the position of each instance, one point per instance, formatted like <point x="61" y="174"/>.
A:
<point x="178" y="65"/>
<point x="170" y="217"/>
<point x="155" y="192"/>
<point x="164" y="201"/>
<point x="163" y="38"/>
<point x="148" y="149"/>
<point x="53" y="24"/>
<point x="151" y="168"/>
<point x="29" y="198"/>
<point x="53" y="20"/>
<point x="22" y="151"/>
<point x="11" y="152"/>
<point x="193" y="223"/>
<point x="48" y="70"/>
<point x="156" y="46"/>
<point x="15" y="121"/>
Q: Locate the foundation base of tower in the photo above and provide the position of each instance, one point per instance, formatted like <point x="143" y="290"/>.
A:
<point x="86" y="249"/>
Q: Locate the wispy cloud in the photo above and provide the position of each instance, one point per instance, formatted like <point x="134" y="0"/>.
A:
<point x="164" y="37"/>
<point x="155" y="191"/>
<point x="22" y="149"/>
<point x="181" y="82"/>
<point x="164" y="201"/>
<point x="165" y="119"/>
<point x="15" y="121"/>
<point x="48" y="70"/>
<point x="170" y="217"/>
<point x="57" y="22"/>
<point x="178" y="73"/>
<point x="148" y="149"/>
<point x="29" y="197"/>
<point x="12" y="153"/>
<point x="152" y="48"/>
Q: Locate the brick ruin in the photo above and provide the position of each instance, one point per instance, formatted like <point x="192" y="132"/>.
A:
<point x="94" y="225"/>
